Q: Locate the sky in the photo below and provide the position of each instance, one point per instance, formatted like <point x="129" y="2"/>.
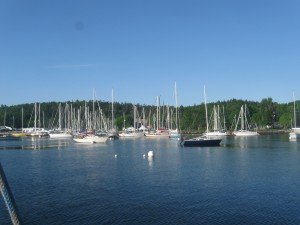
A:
<point x="61" y="50"/>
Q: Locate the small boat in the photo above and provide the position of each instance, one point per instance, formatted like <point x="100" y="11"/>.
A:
<point x="292" y="136"/>
<point x="90" y="139"/>
<point x="175" y="134"/>
<point x="201" y="142"/>
<point x="59" y="134"/>
<point x="244" y="131"/>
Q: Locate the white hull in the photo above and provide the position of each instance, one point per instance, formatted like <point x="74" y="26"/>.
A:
<point x="292" y="136"/>
<point x="39" y="134"/>
<point x="91" y="139"/>
<point x="215" y="134"/>
<point x="157" y="135"/>
<point x="296" y="130"/>
<point x="130" y="135"/>
<point x="245" y="133"/>
<point x="61" y="135"/>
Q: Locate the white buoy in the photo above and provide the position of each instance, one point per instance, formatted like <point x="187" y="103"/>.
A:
<point x="116" y="156"/>
<point x="150" y="154"/>
<point x="144" y="156"/>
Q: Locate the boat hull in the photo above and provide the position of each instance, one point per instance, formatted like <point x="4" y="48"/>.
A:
<point x="296" y="130"/>
<point x="92" y="140"/>
<point x="201" y="143"/>
<point x="245" y="133"/>
<point x="62" y="135"/>
<point x="216" y="134"/>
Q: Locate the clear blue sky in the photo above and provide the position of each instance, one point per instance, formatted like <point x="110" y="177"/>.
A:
<point x="61" y="49"/>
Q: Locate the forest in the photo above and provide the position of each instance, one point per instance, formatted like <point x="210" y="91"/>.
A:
<point x="262" y="115"/>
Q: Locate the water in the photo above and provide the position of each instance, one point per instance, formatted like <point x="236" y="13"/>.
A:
<point x="253" y="180"/>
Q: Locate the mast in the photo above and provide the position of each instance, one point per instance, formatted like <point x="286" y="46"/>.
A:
<point x="134" y="117"/>
<point x="215" y="119"/>
<point x="4" y="117"/>
<point x="157" y="112"/>
<point x="59" y="116"/>
<point x="40" y="115"/>
<point x="124" y="121"/>
<point x="144" y="117"/>
<point x="206" y="118"/>
<point x="242" y="118"/>
<point x="34" y="116"/>
<point x="112" y="108"/>
<point x="93" y="114"/>
<point x="22" y="118"/>
<point x="176" y="108"/>
<point x="224" y="118"/>
<point x="168" y="117"/>
<point x="295" y="119"/>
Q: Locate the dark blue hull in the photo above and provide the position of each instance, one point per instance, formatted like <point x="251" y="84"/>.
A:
<point x="201" y="142"/>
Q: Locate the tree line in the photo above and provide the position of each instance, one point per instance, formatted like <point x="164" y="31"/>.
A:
<point x="191" y="118"/>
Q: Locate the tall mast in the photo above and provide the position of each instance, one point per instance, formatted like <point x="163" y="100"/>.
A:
<point x="242" y="118"/>
<point x="93" y="114"/>
<point x="206" y="119"/>
<point x="215" y="113"/>
<point x="112" y="107"/>
<point x="144" y="117"/>
<point x="40" y="115"/>
<point x="134" y="116"/>
<point x="124" y="121"/>
<point x="295" y="119"/>
<point x="4" y="117"/>
<point x="22" y="118"/>
<point x="157" y="112"/>
<point x="34" y="116"/>
<point x="59" y="116"/>
<point x="176" y="109"/>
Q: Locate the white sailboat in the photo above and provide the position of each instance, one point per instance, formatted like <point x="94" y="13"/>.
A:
<point x="90" y="122"/>
<point x="295" y="129"/>
<point x="37" y="131"/>
<point x="59" y="133"/>
<point x="112" y="133"/>
<point x="244" y="128"/>
<point x="131" y="132"/>
<point x="217" y="130"/>
<point x="90" y="139"/>
<point x="160" y="131"/>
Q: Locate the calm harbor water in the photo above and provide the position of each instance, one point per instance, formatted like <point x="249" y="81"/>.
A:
<point x="254" y="180"/>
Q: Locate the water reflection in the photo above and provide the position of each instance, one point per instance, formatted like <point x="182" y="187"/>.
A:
<point x="34" y="144"/>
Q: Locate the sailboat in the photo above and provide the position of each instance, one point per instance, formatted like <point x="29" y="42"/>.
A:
<point x="175" y="133"/>
<point x="217" y="128"/>
<point x="37" y="131"/>
<point x="112" y="133"/>
<point x="244" y="126"/>
<point x="59" y="133"/>
<point x="89" y="135"/>
<point x="90" y="138"/>
<point x="295" y="129"/>
<point x="202" y="141"/>
<point x="160" y="131"/>
<point x="131" y="132"/>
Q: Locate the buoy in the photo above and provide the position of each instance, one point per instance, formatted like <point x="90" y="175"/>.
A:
<point x="116" y="156"/>
<point x="144" y="156"/>
<point x="150" y="154"/>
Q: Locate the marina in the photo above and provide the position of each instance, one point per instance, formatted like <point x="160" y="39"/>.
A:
<point x="105" y="118"/>
<point x="246" y="180"/>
